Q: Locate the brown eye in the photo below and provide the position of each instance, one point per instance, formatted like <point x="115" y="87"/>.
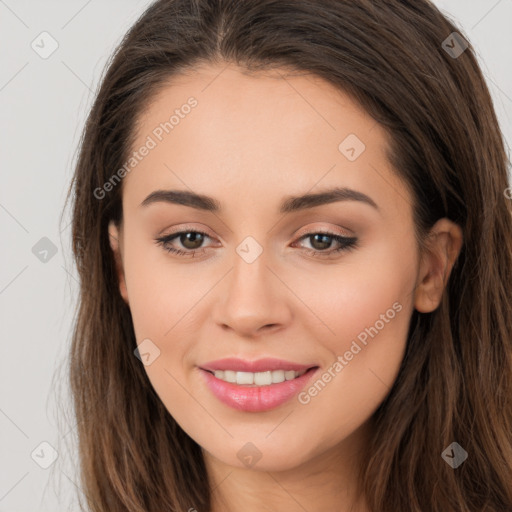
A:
<point x="191" y="242"/>
<point x="321" y="243"/>
<point x="191" y="239"/>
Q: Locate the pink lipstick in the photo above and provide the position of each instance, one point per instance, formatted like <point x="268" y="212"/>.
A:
<point x="256" y="386"/>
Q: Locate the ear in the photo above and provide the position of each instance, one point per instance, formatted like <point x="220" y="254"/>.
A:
<point x="444" y="243"/>
<point x="115" y="238"/>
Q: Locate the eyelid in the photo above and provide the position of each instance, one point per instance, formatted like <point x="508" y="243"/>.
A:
<point x="181" y="228"/>
<point x="308" y="230"/>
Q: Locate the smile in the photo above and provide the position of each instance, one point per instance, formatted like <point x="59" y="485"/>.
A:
<point x="265" y="378"/>
<point x="256" y="392"/>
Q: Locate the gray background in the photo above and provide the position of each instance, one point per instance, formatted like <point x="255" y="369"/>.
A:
<point x="44" y="103"/>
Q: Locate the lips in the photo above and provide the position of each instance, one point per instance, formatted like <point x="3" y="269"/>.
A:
<point x="255" y="398"/>
<point x="261" y="365"/>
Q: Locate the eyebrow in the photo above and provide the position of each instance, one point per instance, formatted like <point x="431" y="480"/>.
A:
<point x="289" y="205"/>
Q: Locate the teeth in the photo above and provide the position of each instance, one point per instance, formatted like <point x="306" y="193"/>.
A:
<point x="258" y="378"/>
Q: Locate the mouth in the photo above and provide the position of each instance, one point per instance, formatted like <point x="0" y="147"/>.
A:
<point x="257" y="391"/>
<point x="257" y="379"/>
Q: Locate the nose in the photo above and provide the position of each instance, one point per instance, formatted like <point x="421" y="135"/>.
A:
<point x="253" y="300"/>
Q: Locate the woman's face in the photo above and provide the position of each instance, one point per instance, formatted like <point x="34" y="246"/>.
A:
<point x="269" y="278"/>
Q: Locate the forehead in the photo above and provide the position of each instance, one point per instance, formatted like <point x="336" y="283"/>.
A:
<point x="265" y="132"/>
<point x="273" y="108"/>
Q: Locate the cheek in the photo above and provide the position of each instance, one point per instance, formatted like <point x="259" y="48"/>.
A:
<point x="164" y="299"/>
<point x="160" y="293"/>
<point x="364" y="364"/>
<point x="367" y="306"/>
<point x="365" y="288"/>
<point x="160" y="300"/>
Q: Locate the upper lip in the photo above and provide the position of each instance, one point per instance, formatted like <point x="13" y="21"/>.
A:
<point x="261" y="365"/>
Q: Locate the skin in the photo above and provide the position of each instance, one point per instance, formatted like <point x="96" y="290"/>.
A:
<point x="252" y="141"/>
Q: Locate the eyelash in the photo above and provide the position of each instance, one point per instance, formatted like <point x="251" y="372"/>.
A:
<point x="347" y="243"/>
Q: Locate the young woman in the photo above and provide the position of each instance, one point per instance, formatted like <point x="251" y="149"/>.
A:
<point x="294" y="238"/>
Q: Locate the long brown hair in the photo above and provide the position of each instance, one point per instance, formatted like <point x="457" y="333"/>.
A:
<point x="401" y="62"/>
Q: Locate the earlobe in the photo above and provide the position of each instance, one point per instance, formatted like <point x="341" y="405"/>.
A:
<point x="444" y="244"/>
<point x="114" y="235"/>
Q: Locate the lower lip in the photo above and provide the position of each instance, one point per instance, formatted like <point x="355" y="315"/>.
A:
<point x="256" y="398"/>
